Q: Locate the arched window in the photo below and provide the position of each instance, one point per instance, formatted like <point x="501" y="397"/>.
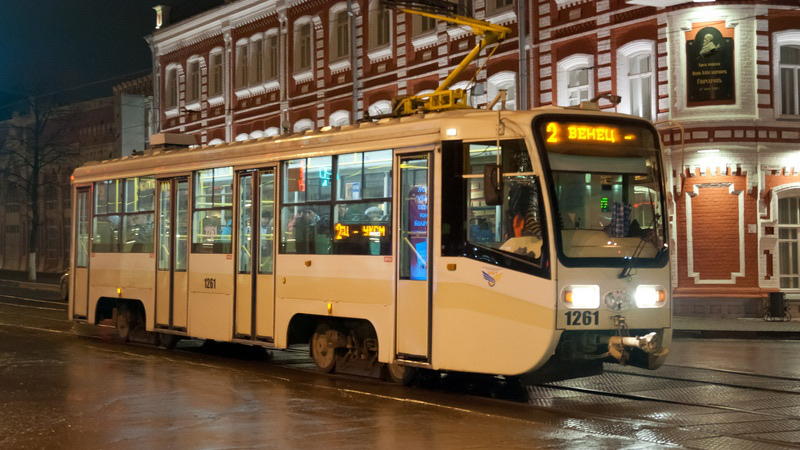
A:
<point x="215" y="72"/>
<point x="339" y="31"/>
<point x="216" y="141"/>
<point x="380" y="108"/>
<point x="303" y="125"/>
<point x="503" y="80"/>
<point x="340" y="118"/>
<point x="302" y="44"/>
<point x="271" y="55"/>
<point x="788" y="239"/>
<point x="193" y="78"/>
<point x="242" y="63"/>
<point x="272" y="131"/>
<point x="256" y="134"/>
<point x="379" y="25"/>
<point x="171" y="75"/>
<point x="575" y="79"/>
<point x="636" y="79"/>
<point x="242" y="137"/>
<point x="787" y="70"/>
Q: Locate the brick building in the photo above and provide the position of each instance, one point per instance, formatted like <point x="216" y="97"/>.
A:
<point x="86" y="131"/>
<point x="726" y="73"/>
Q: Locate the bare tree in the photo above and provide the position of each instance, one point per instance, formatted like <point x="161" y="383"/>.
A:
<point x="37" y="143"/>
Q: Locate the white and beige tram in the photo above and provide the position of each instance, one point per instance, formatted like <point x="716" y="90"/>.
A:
<point x="516" y="243"/>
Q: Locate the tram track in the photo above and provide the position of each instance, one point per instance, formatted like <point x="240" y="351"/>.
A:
<point x="760" y="378"/>
<point x="580" y="405"/>
<point x="717" y="389"/>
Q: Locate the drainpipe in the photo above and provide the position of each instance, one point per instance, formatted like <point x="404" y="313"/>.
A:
<point x="351" y="14"/>
<point x="522" y="20"/>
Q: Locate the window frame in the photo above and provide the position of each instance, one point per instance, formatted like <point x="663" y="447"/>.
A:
<point x="171" y="74"/>
<point x="303" y="46"/>
<point x="216" y="73"/>
<point x="218" y="245"/>
<point x="793" y="241"/>
<point x="330" y="206"/>
<point x="194" y="67"/>
<point x="339" y="32"/>
<point x="568" y="65"/>
<point x="625" y="54"/>
<point x="779" y="40"/>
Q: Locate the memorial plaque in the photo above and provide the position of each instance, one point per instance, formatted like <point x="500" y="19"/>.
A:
<point x="709" y="67"/>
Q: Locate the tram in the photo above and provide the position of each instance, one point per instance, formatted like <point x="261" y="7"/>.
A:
<point x="515" y="243"/>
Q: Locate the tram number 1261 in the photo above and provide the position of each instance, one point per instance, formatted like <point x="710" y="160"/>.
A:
<point x="581" y="317"/>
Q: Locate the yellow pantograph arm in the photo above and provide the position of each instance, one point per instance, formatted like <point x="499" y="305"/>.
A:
<point x="490" y="33"/>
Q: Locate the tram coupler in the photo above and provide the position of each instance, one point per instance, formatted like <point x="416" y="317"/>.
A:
<point x="649" y="343"/>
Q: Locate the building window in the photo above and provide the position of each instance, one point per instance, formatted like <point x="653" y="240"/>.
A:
<point x="786" y="67"/>
<point x="302" y="45"/>
<point x="256" y="60"/>
<point x="463" y="7"/>
<point x="340" y="29"/>
<point x="788" y="243"/>
<point x="215" y="77"/>
<point x="242" y="63"/>
<point x="578" y="86"/>
<point x="423" y="25"/>
<point x="379" y="25"/>
<point x="503" y="81"/>
<point x="790" y="79"/>
<point x="574" y="79"/>
<point x="271" y="57"/>
<point x="635" y="80"/>
<point x="303" y="125"/>
<point x="340" y="118"/>
<point x="171" y="87"/>
<point x="193" y="81"/>
<point x="498" y="6"/>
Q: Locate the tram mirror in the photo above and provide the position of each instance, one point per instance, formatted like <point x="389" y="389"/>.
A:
<point x="492" y="184"/>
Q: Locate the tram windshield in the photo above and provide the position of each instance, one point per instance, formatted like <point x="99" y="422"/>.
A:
<point x="607" y="186"/>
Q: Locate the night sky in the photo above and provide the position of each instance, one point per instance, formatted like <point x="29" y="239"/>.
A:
<point x="80" y="46"/>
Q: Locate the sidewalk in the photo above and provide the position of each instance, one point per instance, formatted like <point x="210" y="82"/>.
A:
<point x="742" y="328"/>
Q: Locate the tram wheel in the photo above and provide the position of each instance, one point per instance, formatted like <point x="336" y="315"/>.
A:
<point x="167" y="340"/>
<point x="399" y="374"/>
<point x="124" y="322"/>
<point x="323" y="350"/>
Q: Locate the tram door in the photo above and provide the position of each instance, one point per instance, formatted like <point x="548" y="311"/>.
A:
<point x="172" y="279"/>
<point x="255" y="282"/>
<point x="80" y="275"/>
<point x="414" y="251"/>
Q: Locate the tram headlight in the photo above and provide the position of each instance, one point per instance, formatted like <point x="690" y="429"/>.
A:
<point x="648" y="296"/>
<point x="578" y="296"/>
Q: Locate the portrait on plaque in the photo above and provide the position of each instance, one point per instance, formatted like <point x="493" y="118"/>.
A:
<point x="710" y="67"/>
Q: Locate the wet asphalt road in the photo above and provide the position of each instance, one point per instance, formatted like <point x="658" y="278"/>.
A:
<point x="63" y="386"/>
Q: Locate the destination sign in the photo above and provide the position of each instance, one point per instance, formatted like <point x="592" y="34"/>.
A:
<point x="350" y="231"/>
<point x="557" y="132"/>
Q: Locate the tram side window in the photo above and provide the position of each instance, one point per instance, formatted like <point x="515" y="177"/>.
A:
<point x="306" y="215"/>
<point x="514" y="227"/>
<point x="212" y="220"/>
<point x="138" y="222"/>
<point x="107" y="209"/>
<point x="339" y="204"/>
<point x="362" y="212"/>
